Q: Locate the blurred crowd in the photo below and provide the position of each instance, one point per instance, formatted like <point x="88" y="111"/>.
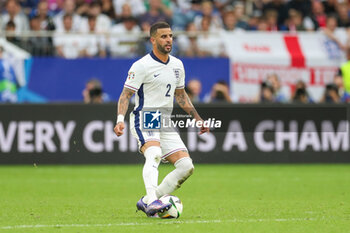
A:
<point x="107" y="28"/>
<point x="271" y="92"/>
<point x="116" y="20"/>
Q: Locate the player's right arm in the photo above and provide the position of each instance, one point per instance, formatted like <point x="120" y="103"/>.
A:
<point x="123" y="105"/>
<point x="132" y="84"/>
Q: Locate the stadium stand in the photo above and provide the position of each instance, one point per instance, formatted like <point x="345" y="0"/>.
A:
<point x="106" y="28"/>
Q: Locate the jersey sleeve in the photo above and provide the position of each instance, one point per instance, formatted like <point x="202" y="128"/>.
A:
<point x="136" y="76"/>
<point x="181" y="82"/>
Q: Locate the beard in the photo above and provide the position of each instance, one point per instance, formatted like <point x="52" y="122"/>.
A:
<point x="163" y="49"/>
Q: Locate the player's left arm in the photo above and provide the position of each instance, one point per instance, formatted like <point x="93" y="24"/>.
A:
<point x="185" y="103"/>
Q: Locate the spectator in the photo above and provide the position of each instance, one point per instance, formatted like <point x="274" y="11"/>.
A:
<point x="165" y="7"/>
<point x="145" y="44"/>
<point x="318" y="16"/>
<point x="239" y="13"/>
<point x="262" y="24"/>
<point x="182" y="14"/>
<point x="188" y="43"/>
<point x="93" y="92"/>
<point x="266" y="93"/>
<point x="124" y="42"/>
<point x="184" y="5"/>
<point x="208" y="12"/>
<point x="11" y="28"/>
<point x="45" y="20"/>
<point x="137" y="7"/>
<point x="196" y="6"/>
<point x="271" y="17"/>
<point x="274" y="80"/>
<point x="155" y="14"/>
<point x="14" y="14"/>
<point x="330" y="6"/>
<point x="295" y="21"/>
<point x="253" y="21"/>
<point x="343" y="14"/>
<point x="94" y="45"/>
<point x="302" y="6"/>
<point x="222" y="4"/>
<point x="230" y="22"/>
<point x="108" y="9"/>
<point x="79" y="23"/>
<point x="330" y="32"/>
<point x="194" y="89"/>
<point x="103" y="22"/>
<point x="331" y="94"/>
<point x="27" y="5"/>
<point x="68" y="45"/>
<point x="280" y="7"/>
<point x="82" y="7"/>
<point x="301" y="95"/>
<point x="126" y="13"/>
<point x="209" y="44"/>
<point x="220" y="92"/>
<point x="305" y="9"/>
<point x="8" y="89"/>
<point x="41" y="45"/>
<point x="338" y="81"/>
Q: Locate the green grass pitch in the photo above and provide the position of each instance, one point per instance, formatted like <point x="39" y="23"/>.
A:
<point x="217" y="198"/>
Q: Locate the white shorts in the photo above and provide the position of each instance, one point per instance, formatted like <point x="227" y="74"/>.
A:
<point x="170" y="142"/>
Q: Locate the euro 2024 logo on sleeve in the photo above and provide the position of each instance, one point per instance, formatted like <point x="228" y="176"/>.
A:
<point x="152" y="119"/>
<point x="131" y="75"/>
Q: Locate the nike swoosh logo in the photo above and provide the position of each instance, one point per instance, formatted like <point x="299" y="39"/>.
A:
<point x="156" y="75"/>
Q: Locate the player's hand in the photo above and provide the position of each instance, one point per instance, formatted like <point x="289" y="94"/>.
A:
<point x="203" y="129"/>
<point x="118" y="129"/>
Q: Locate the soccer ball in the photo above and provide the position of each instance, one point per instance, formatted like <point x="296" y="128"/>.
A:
<point x="176" y="207"/>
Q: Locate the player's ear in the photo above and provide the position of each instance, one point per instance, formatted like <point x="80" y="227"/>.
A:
<point x="152" y="39"/>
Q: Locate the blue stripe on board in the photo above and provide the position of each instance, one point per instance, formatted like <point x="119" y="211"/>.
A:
<point x="137" y="115"/>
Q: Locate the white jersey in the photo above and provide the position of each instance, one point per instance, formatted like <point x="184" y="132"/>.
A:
<point x="155" y="81"/>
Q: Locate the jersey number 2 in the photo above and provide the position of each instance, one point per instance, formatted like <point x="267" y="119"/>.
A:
<point x="169" y="88"/>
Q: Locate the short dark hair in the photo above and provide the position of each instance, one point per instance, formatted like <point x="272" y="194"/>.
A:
<point x="91" y="17"/>
<point x="68" y="16"/>
<point x="95" y="3"/>
<point x="34" y="17"/>
<point x="10" y="24"/>
<point x="157" y="26"/>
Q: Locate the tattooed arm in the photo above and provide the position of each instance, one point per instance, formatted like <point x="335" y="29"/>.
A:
<point x="185" y="103"/>
<point x="123" y="105"/>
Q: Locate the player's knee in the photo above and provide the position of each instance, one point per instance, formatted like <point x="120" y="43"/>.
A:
<point x="185" y="165"/>
<point x="153" y="153"/>
<point x="189" y="167"/>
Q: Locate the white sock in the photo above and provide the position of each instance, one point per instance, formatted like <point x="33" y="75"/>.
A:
<point x="150" y="172"/>
<point x="183" y="169"/>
